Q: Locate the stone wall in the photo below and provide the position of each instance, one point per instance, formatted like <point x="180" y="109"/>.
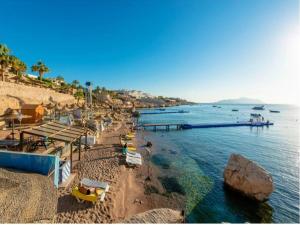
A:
<point x="12" y="95"/>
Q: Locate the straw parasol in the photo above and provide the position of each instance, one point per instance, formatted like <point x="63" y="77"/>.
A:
<point x="13" y="115"/>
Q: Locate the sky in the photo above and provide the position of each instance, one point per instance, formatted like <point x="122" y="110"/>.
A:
<point x="200" y="50"/>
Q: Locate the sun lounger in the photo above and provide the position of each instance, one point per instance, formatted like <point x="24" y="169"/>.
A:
<point x="129" y="144"/>
<point x="131" y="148"/>
<point x="133" y="160"/>
<point x="129" y="137"/>
<point x="100" y="194"/>
<point x="134" y="154"/>
<point x="96" y="184"/>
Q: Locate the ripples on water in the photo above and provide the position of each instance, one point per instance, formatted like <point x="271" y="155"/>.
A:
<point x="196" y="159"/>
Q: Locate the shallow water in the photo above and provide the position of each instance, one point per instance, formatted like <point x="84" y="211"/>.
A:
<point x="196" y="159"/>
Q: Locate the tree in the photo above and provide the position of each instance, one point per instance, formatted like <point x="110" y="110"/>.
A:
<point x="59" y="77"/>
<point x="5" y="60"/>
<point x="75" y="83"/>
<point x="41" y="68"/>
<point x="79" y="95"/>
<point x="4" y="50"/>
<point x="18" y="67"/>
<point x="97" y="89"/>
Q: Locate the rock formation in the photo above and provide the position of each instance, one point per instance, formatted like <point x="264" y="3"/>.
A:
<point x="248" y="178"/>
<point x="14" y="95"/>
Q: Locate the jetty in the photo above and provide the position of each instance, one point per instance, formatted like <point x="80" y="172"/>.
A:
<point x="184" y="126"/>
<point x="166" y="126"/>
<point x="163" y="112"/>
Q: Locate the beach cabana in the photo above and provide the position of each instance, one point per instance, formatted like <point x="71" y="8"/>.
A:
<point x="58" y="132"/>
<point x="36" y="111"/>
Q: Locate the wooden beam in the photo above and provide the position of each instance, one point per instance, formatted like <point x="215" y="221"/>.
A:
<point x="71" y="157"/>
<point x="21" y="141"/>
<point x="79" y="148"/>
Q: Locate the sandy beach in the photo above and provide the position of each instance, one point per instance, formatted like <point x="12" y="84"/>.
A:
<point x="129" y="193"/>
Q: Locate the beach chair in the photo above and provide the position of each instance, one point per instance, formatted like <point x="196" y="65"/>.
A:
<point x="95" y="184"/>
<point x="93" y="197"/>
<point x="134" y="154"/>
<point x="129" y="143"/>
<point x="131" y="148"/>
<point x="101" y="189"/>
<point x="133" y="160"/>
<point x="129" y="137"/>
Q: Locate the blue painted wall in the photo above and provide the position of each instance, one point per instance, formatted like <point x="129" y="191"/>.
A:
<point x="29" y="162"/>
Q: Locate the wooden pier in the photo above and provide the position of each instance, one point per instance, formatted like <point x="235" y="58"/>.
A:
<point x="181" y="126"/>
<point x="167" y="126"/>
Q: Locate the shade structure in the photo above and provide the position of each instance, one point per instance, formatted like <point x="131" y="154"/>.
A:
<point x="14" y="115"/>
<point x="57" y="132"/>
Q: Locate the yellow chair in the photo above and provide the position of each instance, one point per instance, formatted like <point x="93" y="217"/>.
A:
<point x="82" y="197"/>
<point x="129" y="137"/>
<point x="131" y="148"/>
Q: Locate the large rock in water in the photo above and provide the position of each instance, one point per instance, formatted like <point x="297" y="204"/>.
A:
<point x="249" y="178"/>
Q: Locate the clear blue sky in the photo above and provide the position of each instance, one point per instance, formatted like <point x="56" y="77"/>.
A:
<point x="195" y="49"/>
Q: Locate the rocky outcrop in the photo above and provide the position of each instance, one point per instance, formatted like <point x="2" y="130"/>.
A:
<point x="163" y="215"/>
<point x="248" y="178"/>
<point x="14" y="95"/>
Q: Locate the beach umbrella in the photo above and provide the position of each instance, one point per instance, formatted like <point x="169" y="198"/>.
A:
<point x="51" y="107"/>
<point x="14" y="115"/>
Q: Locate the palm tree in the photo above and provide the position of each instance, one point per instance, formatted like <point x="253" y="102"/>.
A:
<point x="61" y="78"/>
<point x="75" y="83"/>
<point x="4" y="50"/>
<point x="18" y="67"/>
<point x="5" y="60"/>
<point x="41" y="68"/>
<point x="79" y="95"/>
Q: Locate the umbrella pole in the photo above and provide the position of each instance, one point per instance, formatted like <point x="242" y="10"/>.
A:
<point x="13" y="129"/>
<point x="20" y="127"/>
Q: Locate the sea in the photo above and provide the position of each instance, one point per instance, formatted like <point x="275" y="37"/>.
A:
<point x="191" y="162"/>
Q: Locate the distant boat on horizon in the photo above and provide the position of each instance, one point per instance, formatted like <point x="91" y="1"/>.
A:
<point x="234" y="110"/>
<point x="274" y="111"/>
<point x="259" y="107"/>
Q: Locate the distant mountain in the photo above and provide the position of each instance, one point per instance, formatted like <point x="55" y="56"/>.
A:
<point x="240" y="101"/>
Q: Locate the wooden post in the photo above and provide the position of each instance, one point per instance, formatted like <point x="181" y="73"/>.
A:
<point x="86" y="141"/>
<point x="71" y="156"/>
<point x="21" y="141"/>
<point x="13" y="129"/>
<point x="79" y="148"/>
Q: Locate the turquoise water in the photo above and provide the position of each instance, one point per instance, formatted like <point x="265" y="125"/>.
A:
<point x="196" y="159"/>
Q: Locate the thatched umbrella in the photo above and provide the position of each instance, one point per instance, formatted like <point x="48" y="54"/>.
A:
<point x="14" y="115"/>
<point x="50" y="107"/>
